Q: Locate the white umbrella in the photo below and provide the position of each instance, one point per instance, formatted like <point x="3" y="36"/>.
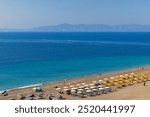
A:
<point x="92" y="87"/>
<point x="121" y="76"/>
<point x="116" y="76"/>
<point x="107" y="87"/>
<point x="88" y="91"/>
<point x="74" y="88"/>
<point x="83" y="83"/>
<point x="86" y="85"/>
<point x="78" y="84"/>
<point x="73" y="91"/>
<point x="100" y="81"/>
<point x="71" y="86"/>
<point x="92" y="84"/>
<point x="65" y="87"/>
<point x="132" y="73"/>
<point x="57" y="89"/>
<point x="34" y="89"/>
<point x="94" y="81"/>
<point x="94" y="90"/>
<point x="111" y="78"/>
<point x="100" y="86"/>
<point x="86" y="88"/>
<point x="81" y="87"/>
<point x="101" y="89"/>
<point x="79" y="92"/>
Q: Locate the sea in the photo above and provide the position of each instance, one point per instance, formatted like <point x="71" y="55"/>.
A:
<point x="28" y="58"/>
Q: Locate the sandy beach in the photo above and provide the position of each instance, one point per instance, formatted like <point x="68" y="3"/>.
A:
<point x="136" y="91"/>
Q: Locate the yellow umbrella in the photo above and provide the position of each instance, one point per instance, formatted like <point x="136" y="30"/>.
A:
<point x="94" y="82"/>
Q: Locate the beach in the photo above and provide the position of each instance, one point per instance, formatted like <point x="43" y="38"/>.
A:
<point x="136" y="91"/>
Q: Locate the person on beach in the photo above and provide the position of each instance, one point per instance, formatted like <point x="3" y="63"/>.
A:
<point x="144" y="83"/>
<point x="65" y="81"/>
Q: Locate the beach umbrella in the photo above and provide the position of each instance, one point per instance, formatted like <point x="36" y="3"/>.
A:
<point x="100" y="81"/>
<point x="83" y="83"/>
<point x="141" y="78"/>
<point x="137" y="78"/>
<point x="79" y="92"/>
<point x="94" y="81"/>
<point x="78" y="84"/>
<point x="100" y="89"/>
<point x="126" y="75"/>
<point x="94" y="90"/>
<point x="88" y="91"/>
<point x="99" y="86"/>
<point x="107" y="87"/>
<point x="34" y="89"/>
<point x="92" y="87"/>
<point x="57" y="89"/>
<point x="74" y="88"/>
<point x="39" y="89"/>
<point x="92" y="84"/>
<point x="132" y="73"/>
<point x="65" y="87"/>
<point x="111" y="78"/>
<point x="104" y="83"/>
<point x="142" y="74"/>
<point x="86" y="85"/>
<point x="71" y="86"/>
<point x="73" y="91"/>
<point x="81" y="87"/>
<point x="86" y="88"/>
<point x="121" y="76"/>
<point x="110" y="81"/>
<point x="126" y="81"/>
<point x="130" y="76"/>
<point x="105" y="79"/>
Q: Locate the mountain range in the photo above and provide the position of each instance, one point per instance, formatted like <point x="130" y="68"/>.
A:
<point x="85" y="28"/>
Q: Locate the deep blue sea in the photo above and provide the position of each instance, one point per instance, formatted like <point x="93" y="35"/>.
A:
<point x="33" y="58"/>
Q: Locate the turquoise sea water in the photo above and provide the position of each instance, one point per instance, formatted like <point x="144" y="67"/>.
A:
<point x="33" y="58"/>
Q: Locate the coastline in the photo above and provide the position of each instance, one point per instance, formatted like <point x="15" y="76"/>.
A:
<point x="73" y="79"/>
<point x="86" y="79"/>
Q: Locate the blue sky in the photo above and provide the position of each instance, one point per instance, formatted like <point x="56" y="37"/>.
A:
<point x="33" y="13"/>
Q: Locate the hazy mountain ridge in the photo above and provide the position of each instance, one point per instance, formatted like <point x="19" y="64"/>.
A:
<point x="86" y="28"/>
<point x="93" y="28"/>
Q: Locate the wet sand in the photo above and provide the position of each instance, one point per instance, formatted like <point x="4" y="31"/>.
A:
<point x="134" y="92"/>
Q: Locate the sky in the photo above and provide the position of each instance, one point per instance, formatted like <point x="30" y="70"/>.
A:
<point x="34" y="13"/>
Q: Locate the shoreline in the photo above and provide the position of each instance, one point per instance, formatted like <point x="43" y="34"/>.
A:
<point x="86" y="77"/>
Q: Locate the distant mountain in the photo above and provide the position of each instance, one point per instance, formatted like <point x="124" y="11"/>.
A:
<point x="85" y="28"/>
<point x="93" y="28"/>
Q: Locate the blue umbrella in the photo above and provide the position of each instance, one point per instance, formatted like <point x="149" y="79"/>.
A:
<point x="39" y="89"/>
